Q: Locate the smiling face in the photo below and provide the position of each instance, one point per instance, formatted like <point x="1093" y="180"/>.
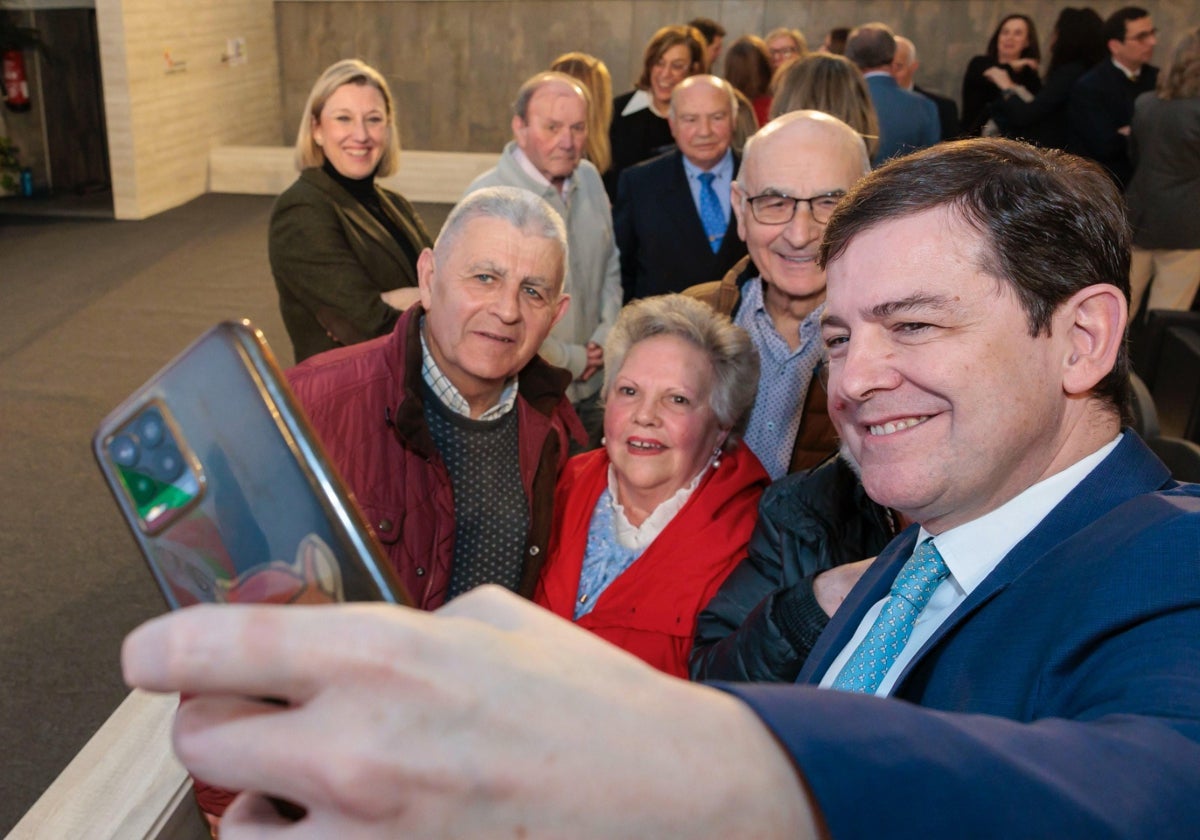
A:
<point x="1013" y="38"/>
<point x="800" y="158"/>
<point x="702" y="124"/>
<point x="659" y="425"/>
<point x="672" y="67"/>
<point x="490" y="303"/>
<point x="554" y="130"/>
<point x="936" y="387"/>
<point x="353" y="130"/>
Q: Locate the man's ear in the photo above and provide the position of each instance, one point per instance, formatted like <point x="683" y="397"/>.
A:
<point x="1094" y="321"/>
<point x="519" y="126"/>
<point x="560" y="308"/>
<point x="736" y="201"/>
<point x="425" y="279"/>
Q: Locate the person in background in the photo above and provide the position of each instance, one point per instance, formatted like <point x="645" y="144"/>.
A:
<point x="343" y="250"/>
<point x="714" y="35"/>
<point x="596" y="80"/>
<point x="1040" y="116"/>
<point x="833" y="85"/>
<point x="745" y="123"/>
<point x="784" y="45"/>
<point x="1164" y="194"/>
<point x="748" y="69"/>
<point x="796" y="170"/>
<point x="672" y="217"/>
<point x="545" y="156"/>
<point x="907" y="121"/>
<point x="835" y="40"/>
<point x="647" y="528"/>
<point x="1013" y="47"/>
<point x="1101" y="104"/>
<point x="639" y="129"/>
<point x="905" y="66"/>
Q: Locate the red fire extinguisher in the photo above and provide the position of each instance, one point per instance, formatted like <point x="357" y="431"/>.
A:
<point x="16" y="85"/>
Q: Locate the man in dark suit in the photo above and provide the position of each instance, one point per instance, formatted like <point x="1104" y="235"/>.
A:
<point x="904" y="70"/>
<point x="672" y="216"/>
<point x="907" y="120"/>
<point x="1036" y="673"/>
<point x="1101" y="104"/>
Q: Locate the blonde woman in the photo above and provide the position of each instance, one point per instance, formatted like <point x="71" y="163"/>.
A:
<point x="593" y="73"/>
<point x="344" y="250"/>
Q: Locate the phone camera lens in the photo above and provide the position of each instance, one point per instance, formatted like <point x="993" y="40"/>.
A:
<point x="124" y="451"/>
<point x="168" y="463"/>
<point x="143" y="488"/>
<point x="150" y="428"/>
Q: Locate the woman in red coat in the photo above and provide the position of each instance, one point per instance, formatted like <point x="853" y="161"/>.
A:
<point x="648" y="527"/>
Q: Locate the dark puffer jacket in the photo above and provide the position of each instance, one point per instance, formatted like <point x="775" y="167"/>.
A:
<point x="764" y="620"/>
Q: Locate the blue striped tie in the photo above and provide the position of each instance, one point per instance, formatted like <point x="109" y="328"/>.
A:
<point x="711" y="214"/>
<point x="879" y="649"/>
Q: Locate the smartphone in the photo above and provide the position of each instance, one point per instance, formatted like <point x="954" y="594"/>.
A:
<point x="227" y="489"/>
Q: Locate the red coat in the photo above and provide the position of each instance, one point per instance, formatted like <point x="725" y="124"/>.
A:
<point x="650" y="609"/>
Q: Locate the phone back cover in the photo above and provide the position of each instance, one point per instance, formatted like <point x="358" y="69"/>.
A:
<point x="256" y="514"/>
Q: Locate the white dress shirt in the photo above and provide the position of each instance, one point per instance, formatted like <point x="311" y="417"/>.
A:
<point x="971" y="552"/>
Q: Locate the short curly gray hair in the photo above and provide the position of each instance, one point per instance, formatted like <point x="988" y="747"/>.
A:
<point x="730" y="350"/>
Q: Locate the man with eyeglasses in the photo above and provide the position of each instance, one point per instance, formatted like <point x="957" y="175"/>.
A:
<point x="794" y="171"/>
<point x="1101" y="104"/>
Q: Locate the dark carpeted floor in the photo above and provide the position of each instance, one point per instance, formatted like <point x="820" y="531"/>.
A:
<point x="88" y="310"/>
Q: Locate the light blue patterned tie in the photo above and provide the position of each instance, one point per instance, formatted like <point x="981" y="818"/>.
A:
<point x="879" y="650"/>
<point x="710" y="212"/>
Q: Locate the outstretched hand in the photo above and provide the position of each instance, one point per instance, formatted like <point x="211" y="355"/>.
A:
<point x="491" y="717"/>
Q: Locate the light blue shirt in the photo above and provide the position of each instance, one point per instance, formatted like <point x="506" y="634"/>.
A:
<point x="784" y="381"/>
<point x="722" y="181"/>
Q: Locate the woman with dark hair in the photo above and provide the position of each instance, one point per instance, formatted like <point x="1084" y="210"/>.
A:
<point x="1040" y="117"/>
<point x="748" y="69"/>
<point x="639" y="129"/>
<point x="344" y="250"/>
<point x="1164" y="194"/>
<point x="1014" y="46"/>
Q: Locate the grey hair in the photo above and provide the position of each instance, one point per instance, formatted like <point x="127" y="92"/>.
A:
<point x="717" y="82"/>
<point x="525" y="211"/>
<point x="729" y="348"/>
<point x="535" y="83"/>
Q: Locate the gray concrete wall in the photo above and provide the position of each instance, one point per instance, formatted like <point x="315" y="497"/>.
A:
<point x="455" y="64"/>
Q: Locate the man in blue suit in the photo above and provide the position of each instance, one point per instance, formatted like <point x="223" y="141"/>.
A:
<point x="1022" y="662"/>
<point x="907" y="120"/>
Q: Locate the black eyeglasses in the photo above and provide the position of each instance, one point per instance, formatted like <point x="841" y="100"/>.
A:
<point x="1141" y="37"/>
<point x="772" y="209"/>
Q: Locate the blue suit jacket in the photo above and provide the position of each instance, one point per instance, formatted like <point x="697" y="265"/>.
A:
<point x="659" y="233"/>
<point x="907" y="120"/>
<point x="1062" y="698"/>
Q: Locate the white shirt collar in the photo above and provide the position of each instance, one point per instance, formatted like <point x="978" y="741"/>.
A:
<point x="640" y="536"/>
<point x="451" y="397"/>
<point x="974" y="549"/>
<point x="640" y="101"/>
<point x="527" y="166"/>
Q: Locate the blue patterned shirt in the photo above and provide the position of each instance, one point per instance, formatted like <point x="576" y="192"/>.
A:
<point x="784" y="381"/>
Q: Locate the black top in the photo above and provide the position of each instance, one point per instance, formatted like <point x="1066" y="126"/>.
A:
<point x="363" y="190"/>
<point x="634" y="138"/>
<point x="979" y="94"/>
